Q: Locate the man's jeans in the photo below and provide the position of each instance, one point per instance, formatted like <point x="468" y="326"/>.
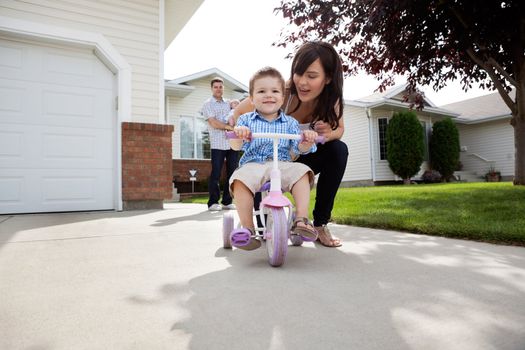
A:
<point x="217" y="160"/>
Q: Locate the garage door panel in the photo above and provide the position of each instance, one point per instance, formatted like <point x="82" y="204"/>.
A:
<point x="11" y="145"/>
<point x="12" y="56"/>
<point x="77" y="107"/>
<point x="81" y="69"/>
<point x="55" y="147"/>
<point x="11" y="99"/>
<point x="37" y="191"/>
<point x="57" y="130"/>
<point x="11" y="189"/>
<point x="40" y="63"/>
<point x="46" y="104"/>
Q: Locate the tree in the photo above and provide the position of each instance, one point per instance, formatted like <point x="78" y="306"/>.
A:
<point x="444" y="148"/>
<point x="405" y="145"/>
<point x="429" y="41"/>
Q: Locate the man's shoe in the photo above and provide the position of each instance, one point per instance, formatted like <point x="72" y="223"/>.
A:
<point x="230" y="206"/>
<point x="215" y="207"/>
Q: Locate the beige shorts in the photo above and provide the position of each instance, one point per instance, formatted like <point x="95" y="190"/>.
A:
<point x="254" y="175"/>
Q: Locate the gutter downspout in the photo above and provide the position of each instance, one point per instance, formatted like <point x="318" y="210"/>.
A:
<point x="371" y="146"/>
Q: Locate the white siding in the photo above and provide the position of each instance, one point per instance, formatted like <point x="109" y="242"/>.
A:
<point x="493" y="141"/>
<point x="191" y="105"/>
<point x="382" y="170"/>
<point x="356" y="137"/>
<point x="131" y="26"/>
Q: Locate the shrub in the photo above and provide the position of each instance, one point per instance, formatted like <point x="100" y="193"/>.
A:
<point x="405" y="145"/>
<point x="444" y="148"/>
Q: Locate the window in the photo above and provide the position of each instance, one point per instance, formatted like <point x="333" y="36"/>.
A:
<point x="194" y="138"/>
<point x="382" y="126"/>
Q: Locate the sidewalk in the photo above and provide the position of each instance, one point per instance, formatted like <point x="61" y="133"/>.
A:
<point x="161" y="280"/>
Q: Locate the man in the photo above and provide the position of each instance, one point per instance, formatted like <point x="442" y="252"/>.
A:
<point x="215" y="110"/>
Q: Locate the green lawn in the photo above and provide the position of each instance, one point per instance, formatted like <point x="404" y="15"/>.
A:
<point x="490" y="212"/>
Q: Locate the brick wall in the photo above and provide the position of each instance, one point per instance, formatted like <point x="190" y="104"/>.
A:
<point x="146" y="165"/>
<point x="181" y="172"/>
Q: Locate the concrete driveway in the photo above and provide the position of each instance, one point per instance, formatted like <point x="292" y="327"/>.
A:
<point x="161" y="280"/>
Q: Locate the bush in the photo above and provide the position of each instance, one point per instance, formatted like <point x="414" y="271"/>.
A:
<point x="444" y="148"/>
<point x="405" y="145"/>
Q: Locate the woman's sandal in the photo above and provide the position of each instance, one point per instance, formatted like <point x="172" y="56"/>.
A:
<point x="308" y="234"/>
<point x="325" y="237"/>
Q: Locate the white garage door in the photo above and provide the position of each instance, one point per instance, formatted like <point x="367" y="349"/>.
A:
<point x="57" y="129"/>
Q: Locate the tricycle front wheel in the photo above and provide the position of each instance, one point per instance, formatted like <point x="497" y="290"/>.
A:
<point x="276" y="235"/>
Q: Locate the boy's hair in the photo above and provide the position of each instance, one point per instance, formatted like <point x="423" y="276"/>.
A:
<point x="216" y="80"/>
<point x="266" y="72"/>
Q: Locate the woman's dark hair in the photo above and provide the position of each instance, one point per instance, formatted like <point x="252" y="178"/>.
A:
<point x="332" y="93"/>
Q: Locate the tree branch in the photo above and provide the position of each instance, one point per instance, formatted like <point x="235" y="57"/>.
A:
<point x="502" y="71"/>
<point x="489" y="68"/>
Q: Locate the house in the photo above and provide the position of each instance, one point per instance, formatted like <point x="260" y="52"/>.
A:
<point x="486" y="136"/>
<point x="366" y="120"/>
<point x="82" y="123"/>
<point x="184" y="99"/>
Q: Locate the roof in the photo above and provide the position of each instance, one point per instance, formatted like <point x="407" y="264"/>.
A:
<point x="212" y="72"/>
<point x="393" y="98"/>
<point x="396" y="93"/>
<point x="481" y="109"/>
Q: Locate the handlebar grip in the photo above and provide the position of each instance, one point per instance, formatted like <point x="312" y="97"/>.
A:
<point x="231" y="135"/>
<point x="318" y="139"/>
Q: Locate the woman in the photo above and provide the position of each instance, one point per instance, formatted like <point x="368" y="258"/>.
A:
<point x="314" y="97"/>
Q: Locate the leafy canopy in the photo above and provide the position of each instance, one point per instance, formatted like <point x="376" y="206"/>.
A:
<point x="429" y="41"/>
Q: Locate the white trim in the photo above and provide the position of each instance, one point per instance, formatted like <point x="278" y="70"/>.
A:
<point x="483" y="119"/>
<point x="103" y="49"/>
<point x="371" y="147"/>
<point x="205" y="73"/>
<point x="162" y="116"/>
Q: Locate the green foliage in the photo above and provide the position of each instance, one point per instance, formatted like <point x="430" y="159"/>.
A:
<point x="429" y="41"/>
<point x="444" y="148"/>
<point x="405" y="145"/>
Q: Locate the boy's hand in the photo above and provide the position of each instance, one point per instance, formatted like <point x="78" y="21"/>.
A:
<point x="243" y="132"/>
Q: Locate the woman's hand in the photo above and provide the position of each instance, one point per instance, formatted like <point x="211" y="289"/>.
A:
<point x="323" y="129"/>
<point x="308" y="140"/>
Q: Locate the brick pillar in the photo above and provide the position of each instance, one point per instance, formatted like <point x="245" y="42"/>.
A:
<point x="147" y="175"/>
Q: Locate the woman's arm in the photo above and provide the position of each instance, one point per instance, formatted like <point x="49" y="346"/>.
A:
<point x="245" y="106"/>
<point x="218" y="124"/>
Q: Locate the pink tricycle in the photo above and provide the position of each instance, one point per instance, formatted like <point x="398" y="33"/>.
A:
<point x="275" y="213"/>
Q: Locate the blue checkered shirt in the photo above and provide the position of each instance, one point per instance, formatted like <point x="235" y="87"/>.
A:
<point x="260" y="150"/>
<point x="218" y="109"/>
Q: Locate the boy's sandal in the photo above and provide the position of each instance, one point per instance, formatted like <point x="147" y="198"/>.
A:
<point x="308" y="234"/>
<point x="325" y="237"/>
<point x="244" y="238"/>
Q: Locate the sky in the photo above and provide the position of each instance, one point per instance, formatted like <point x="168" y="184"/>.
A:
<point x="236" y="37"/>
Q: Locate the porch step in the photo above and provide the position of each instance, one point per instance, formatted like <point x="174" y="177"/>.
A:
<point x="468" y="176"/>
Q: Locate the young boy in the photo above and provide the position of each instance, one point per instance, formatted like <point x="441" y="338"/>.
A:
<point x="267" y="95"/>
